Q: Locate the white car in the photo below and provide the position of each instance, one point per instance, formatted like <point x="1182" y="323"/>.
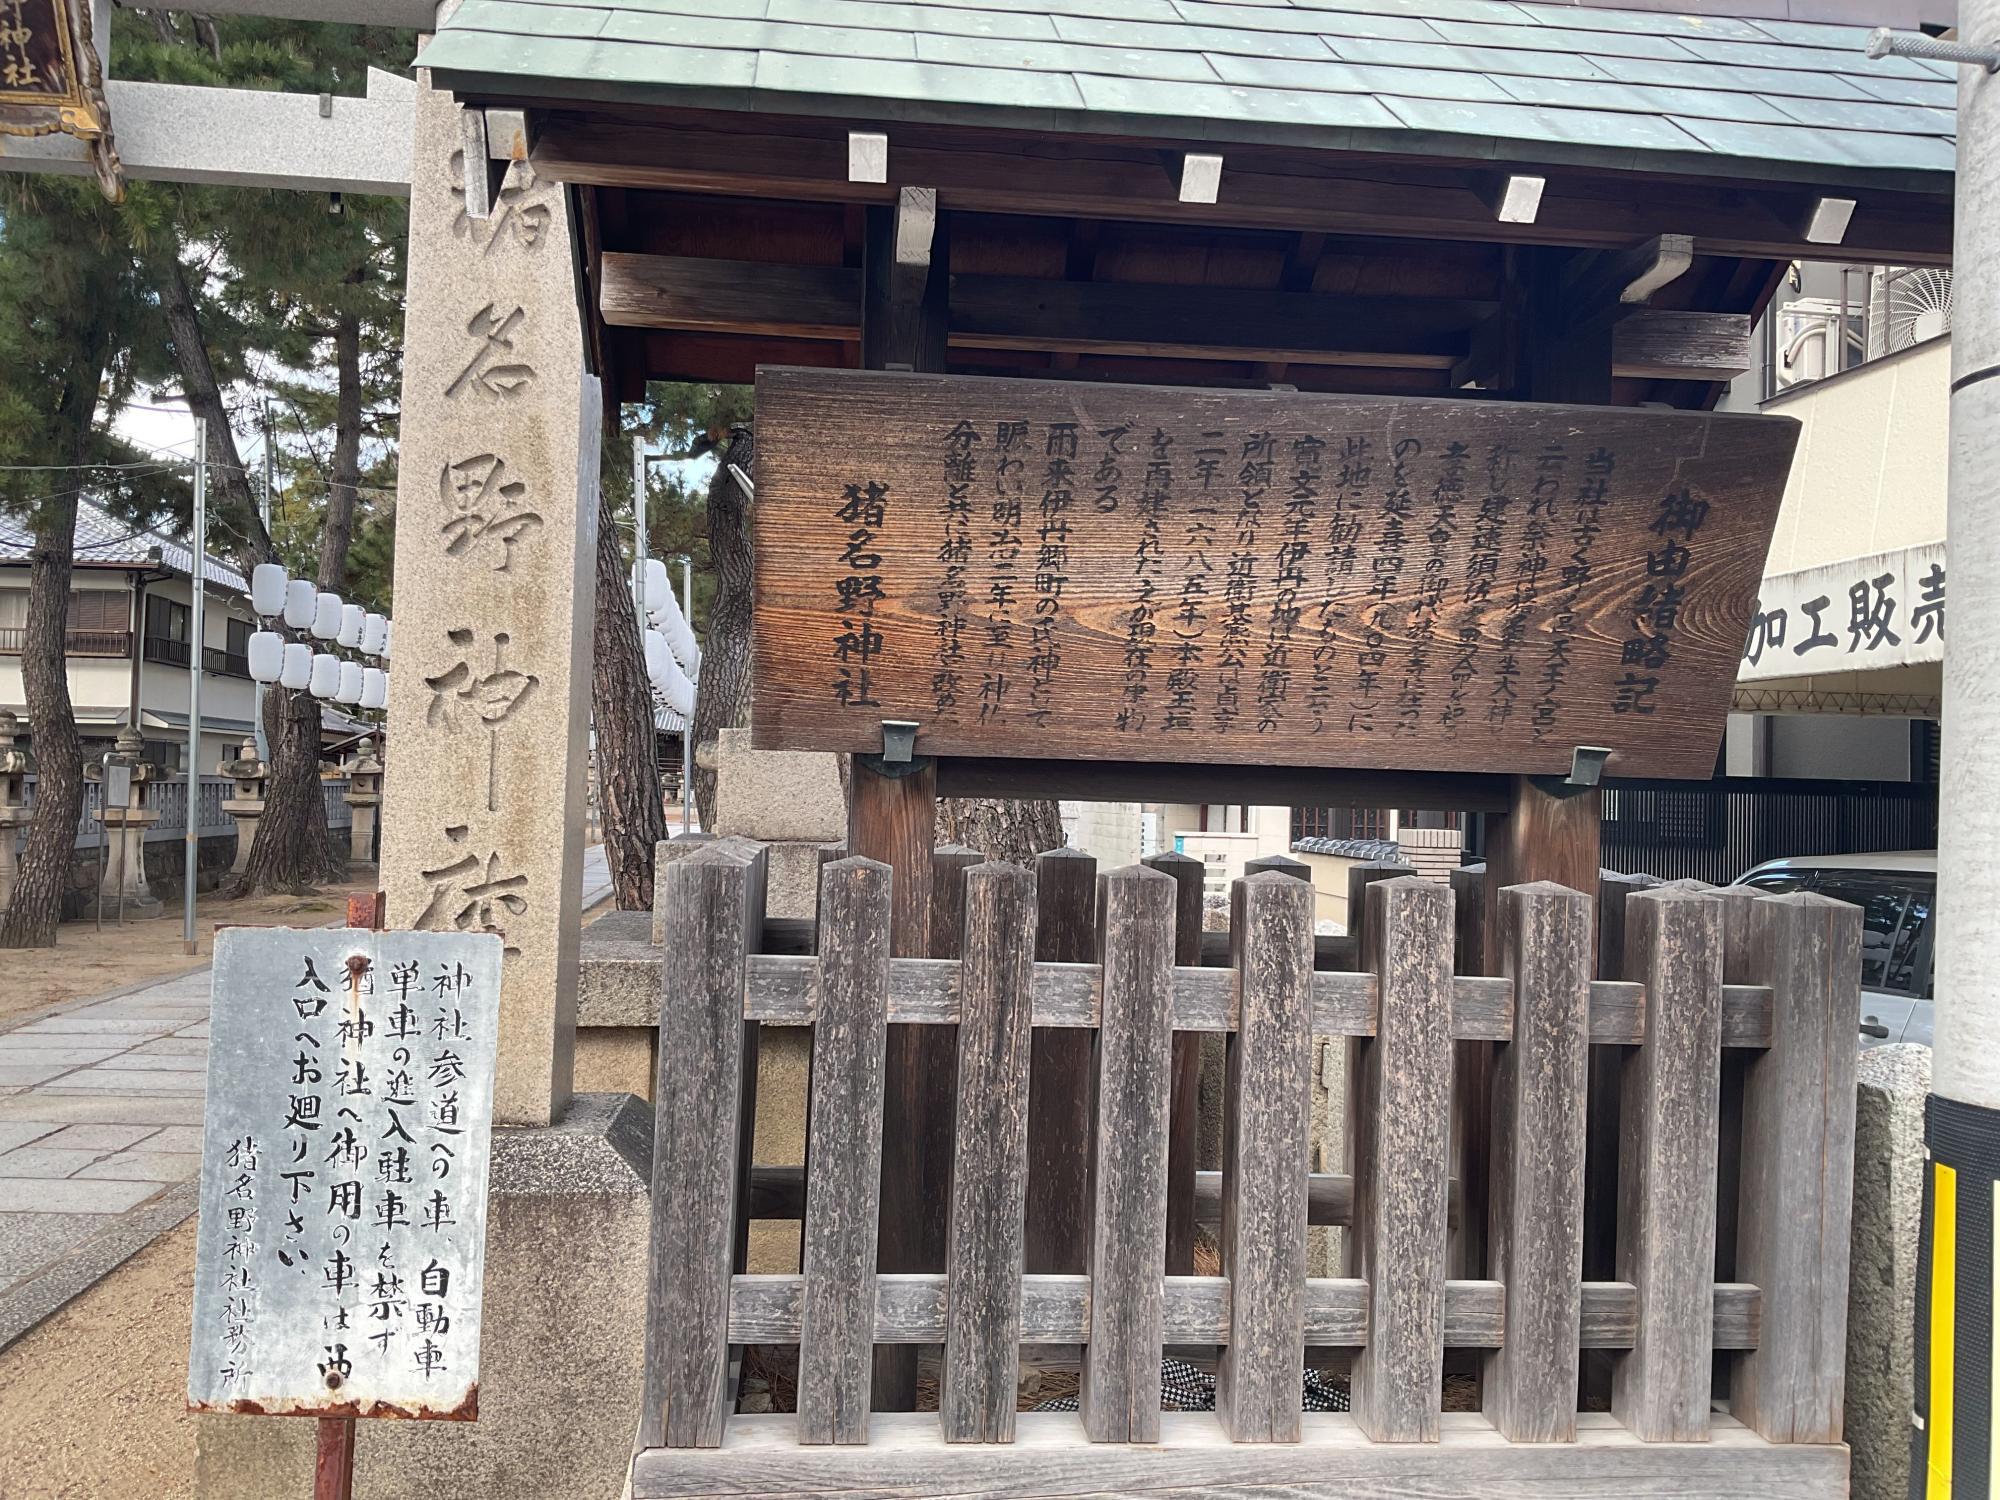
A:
<point x="1897" y="894"/>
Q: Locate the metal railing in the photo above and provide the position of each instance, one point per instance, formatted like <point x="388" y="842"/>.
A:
<point x="1717" y="830"/>
<point x="170" y="801"/>
<point x="168" y="652"/>
<point x="14" y="639"/>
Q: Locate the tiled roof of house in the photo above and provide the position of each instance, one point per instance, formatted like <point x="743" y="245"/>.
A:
<point x="104" y="541"/>
<point x="1486" y="79"/>
<point x="1368" y="849"/>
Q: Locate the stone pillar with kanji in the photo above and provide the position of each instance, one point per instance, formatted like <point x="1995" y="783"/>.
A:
<point x="495" y="587"/>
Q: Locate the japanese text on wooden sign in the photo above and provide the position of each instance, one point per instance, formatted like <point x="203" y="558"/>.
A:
<point x="1126" y="573"/>
<point x="343" y="1185"/>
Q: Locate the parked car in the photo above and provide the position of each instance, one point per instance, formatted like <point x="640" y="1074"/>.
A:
<point x="1897" y="894"/>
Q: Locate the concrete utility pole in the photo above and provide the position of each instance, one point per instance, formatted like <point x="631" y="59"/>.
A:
<point x="1956" y="1449"/>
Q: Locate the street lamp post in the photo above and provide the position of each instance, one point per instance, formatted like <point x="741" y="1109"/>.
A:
<point x="199" y="543"/>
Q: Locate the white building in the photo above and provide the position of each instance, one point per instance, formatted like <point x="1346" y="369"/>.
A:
<point x="130" y="617"/>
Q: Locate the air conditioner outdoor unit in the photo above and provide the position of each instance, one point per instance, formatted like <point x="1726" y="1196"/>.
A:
<point x="1808" y="330"/>
<point x="1906" y="306"/>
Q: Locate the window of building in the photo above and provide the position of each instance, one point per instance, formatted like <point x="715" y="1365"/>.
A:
<point x="1341" y="823"/>
<point x="166" y="620"/>
<point x="100" y="609"/>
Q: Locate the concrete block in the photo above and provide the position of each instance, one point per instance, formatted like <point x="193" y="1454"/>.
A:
<point x="791" y="878"/>
<point x="777" y="794"/>
<point x="1891" y="1084"/>
<point x="562" y="1340"/>
<point x="664" y="854"/>
<point x="1326" y="1246"/>
<point x="615" y="1060"/>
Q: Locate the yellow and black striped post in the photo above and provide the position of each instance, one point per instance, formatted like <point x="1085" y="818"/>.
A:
<point x="1954" y="1446"/>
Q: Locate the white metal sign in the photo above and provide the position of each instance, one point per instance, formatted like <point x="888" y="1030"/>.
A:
<point x="343" y="1183"/>
<point x="1855" y="616"/>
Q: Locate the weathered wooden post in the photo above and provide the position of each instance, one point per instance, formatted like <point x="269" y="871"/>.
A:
<point x="989" y="1186"/>
<point x="1061" y="1096"/>
<point x="1666" y="1168"/>
<point x="1401" y="1124"/>
<point x="1184" y="1115"/>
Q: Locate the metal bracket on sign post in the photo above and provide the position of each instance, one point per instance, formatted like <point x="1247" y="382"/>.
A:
<point x="1586" y="770"/>
<point x="899" y="746"/>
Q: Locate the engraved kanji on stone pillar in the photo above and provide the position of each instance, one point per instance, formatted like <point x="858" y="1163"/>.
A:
<point x="482" y="822"/>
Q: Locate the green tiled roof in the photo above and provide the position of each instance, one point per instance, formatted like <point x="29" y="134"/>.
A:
<point x="1505" y="80"/>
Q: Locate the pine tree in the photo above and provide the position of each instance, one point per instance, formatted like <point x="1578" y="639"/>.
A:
<point x="78" y="333"/>
<point x="278" y="279"/>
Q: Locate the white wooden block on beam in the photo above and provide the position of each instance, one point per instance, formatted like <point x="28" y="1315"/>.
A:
<point x="1201" y="177"/>
<point x="916" y="223"/>
<point x="1519" y="199"/>
<point x="507" y="137"/>
<point x="1827" y="223"/>
<point x="867" y="156"/>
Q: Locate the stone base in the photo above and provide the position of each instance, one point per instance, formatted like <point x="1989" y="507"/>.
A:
<point x="1891" y="1084"/>
<point x="777" y="794"/>
<point x="561" y="1350"/>
<point x="137" y="908"/>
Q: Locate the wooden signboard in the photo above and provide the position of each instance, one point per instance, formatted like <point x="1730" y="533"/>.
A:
<point x="1090" y="572"/>
<point x="341" y="1251"/>
<point x="51" y="80"/>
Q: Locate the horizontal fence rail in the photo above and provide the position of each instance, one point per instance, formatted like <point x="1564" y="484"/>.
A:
<point x="783" y="989"/>
<point x="1705" y="975"/>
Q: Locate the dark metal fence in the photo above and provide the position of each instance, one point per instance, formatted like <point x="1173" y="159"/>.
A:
<point x="1716" y="830"/>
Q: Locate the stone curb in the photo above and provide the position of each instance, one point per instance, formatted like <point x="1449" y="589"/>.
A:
<point x="83" y="1266"/>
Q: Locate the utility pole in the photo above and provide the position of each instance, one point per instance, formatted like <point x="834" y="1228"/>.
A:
<point x="687" y="723"/>
<point x="1954" y="1438"/>
<point x="264" y="511"/>
<point x="198" y="543"/>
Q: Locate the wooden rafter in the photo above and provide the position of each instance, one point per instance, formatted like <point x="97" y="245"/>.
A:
<point x="1268" y="188"/>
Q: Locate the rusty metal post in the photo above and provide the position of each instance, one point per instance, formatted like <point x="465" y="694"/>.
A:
<point x="333" y="1457"/>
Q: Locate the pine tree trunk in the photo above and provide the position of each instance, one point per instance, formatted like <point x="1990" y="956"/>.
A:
<point x="294" y="848"/>
<point x="724" y="699"/>
<point x="998" y="829"/>
<point x="337" y="534"/>
<point x="35" y="911"/>
<point x="628" y="775"/>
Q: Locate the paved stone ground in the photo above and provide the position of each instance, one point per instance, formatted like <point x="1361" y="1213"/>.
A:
<point x="100" y="1132"/>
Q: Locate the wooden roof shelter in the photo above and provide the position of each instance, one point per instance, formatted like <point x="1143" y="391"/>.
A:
<point x="1544" y="201"/>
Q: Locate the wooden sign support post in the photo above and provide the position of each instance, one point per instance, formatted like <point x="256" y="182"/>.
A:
<point x="892" y="812"/>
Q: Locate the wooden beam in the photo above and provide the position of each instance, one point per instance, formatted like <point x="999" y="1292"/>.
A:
<point x="1597" y="286"/>
<point x="1006" y="312"/>
<point x="1269" y="188"/>
<point x="729" y="296"/>
<point x="1107" y="318"/>
<point x="1657" y="344"/>
<point x="1265" y="786"/>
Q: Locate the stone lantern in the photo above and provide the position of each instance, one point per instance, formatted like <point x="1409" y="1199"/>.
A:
<point x="124" y="885"/>
<point x="245" y="802"/>
<point x="15" y="764"/>
<point x="364" y="795"/>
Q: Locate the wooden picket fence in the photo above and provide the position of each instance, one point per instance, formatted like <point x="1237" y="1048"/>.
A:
<point x="1771" y="982"/>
